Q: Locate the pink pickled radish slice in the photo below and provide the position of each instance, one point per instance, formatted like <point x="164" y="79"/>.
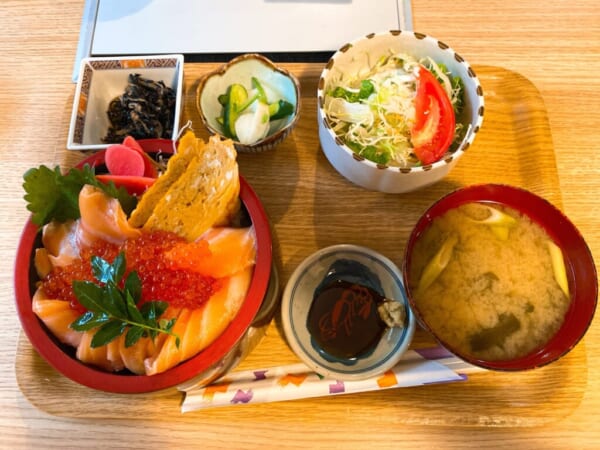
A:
<point x="123" y="160"/>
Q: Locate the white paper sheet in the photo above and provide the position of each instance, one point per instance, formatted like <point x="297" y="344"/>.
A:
<point x="239" y="26"/>
<point x="296" y="381"/>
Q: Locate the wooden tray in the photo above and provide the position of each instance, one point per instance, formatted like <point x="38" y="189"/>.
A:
<point x="311" y="206"/>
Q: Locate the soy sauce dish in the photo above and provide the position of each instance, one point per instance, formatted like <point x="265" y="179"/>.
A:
<point x="345" y="313"/>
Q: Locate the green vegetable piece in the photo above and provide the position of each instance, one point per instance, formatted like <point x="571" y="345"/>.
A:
<point x="112" y="310"/>
<point x="90" y="296"/>
<point x="48" y="198"/>
<point x="108" y="333"/>
<point x="105" y="272"/>
<point x="280" y="109"/>
<point x="376" y="155"/>
<point x="236" y="100"/>
<point x="50" y="195"/>
<point x="248" y="102"/>
<point x="132" y="310"/>
<point x="340" y="92"/>
<point x="237" y="97"/>
<point x="133" y="286"/>
<point x="456" y="85"/>
<point x="89" y="320"/>
<point x="223" y="99"/>
<point x="133" y="335"/>
<point x="487" y="338"/>
<point x="152" y="312"/>
<point x="372" y="153"/>
<point x="366" y="89"/>
<point x="262" y="95"/>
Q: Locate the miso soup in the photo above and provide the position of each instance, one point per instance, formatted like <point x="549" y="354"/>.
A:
<point x="489" y="281"/>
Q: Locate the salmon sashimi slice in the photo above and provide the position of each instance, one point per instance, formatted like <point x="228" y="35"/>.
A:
<point x="60" y="247"/>
<point x="41" y="261"/>
<point x="134" y="356"/>
<point x="60" y="241"/>
<point x="198" y="328"/>
<point x="115" y="356"/>
<point x="168" y="355"/>
<point x="218" y="253"/>
<point x="57" y="315"/>
<point x="95" y="356"/>
<point x="102" y="218"/>
<point x="107" y="357"/>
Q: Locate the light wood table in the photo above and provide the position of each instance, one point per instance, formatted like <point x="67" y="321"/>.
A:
<point x="538" y="63"/>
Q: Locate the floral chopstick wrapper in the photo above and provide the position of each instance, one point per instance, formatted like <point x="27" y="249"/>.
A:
<point x="297" y="381"/>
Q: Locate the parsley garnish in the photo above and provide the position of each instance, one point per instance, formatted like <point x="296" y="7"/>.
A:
<point x="114" y="310"/>
<point x="50" y="195"/>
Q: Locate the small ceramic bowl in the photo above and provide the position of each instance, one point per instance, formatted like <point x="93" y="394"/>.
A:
<point x="103" y="79"/>
<point x="579" y="266"/>
<point x="278" y="83"/>
<point x="350" y="262"/>
<point x="224" y="353"/>
<point x="357" y="57"/>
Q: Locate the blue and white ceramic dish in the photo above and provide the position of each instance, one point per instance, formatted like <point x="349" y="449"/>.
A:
<point x="361" y="265"/>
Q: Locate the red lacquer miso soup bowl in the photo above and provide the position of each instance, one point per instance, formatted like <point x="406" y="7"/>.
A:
<point x="500" y="277"/>
<point x="220" y="356"/>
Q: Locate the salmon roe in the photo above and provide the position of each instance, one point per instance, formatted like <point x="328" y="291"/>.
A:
<point x="161" y="278"/>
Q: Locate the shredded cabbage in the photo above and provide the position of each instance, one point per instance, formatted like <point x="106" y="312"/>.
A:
<point x="373" y="111"/>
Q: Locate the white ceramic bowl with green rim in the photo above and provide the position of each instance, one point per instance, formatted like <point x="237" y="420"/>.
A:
<point x="360" y="54"/>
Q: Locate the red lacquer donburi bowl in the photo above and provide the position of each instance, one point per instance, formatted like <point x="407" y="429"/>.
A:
<point x="208" y="364"/>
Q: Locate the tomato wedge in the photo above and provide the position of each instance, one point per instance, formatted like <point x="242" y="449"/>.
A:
<point x="433" y="130"/>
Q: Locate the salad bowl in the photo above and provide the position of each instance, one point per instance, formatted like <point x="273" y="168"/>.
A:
<point x="220" y="356"/>
<point x="350" y="131"/>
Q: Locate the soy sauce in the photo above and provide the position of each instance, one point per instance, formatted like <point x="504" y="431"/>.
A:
<point x="343" y="319"/>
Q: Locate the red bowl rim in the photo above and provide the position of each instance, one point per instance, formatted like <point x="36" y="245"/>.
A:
<point x="581" y="270"/>
<point x="89" y="376"/>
